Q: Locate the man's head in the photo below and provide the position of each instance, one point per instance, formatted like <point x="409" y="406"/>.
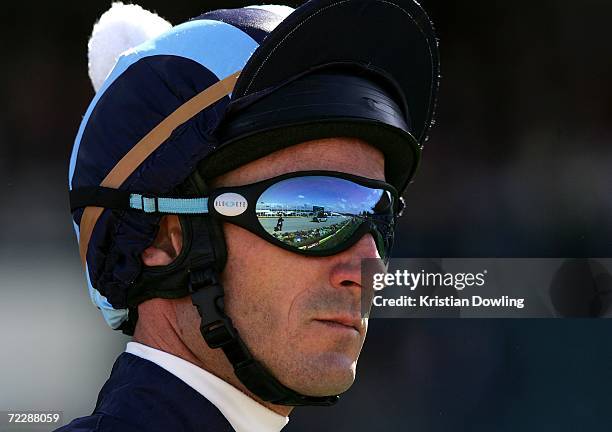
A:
<point x="224" y="101"/>
<point x="299" y="315"/>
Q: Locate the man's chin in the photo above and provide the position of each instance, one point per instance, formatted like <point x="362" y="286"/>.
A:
<point x="328" y="374"/>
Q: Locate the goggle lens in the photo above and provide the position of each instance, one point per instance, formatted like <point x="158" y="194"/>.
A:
<point x="320" y="213"/>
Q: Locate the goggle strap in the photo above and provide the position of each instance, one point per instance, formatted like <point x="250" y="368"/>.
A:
<point x="165" y="205"/>
<point x="121" y="200"/>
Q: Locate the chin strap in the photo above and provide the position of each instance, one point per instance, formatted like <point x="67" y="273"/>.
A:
<point x="219" y="332"/>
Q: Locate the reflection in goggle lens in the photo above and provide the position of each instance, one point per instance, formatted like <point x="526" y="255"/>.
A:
<point x="319" y="213"/>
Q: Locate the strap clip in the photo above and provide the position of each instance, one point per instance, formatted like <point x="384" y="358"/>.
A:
<point x="207" y="296"/>
<point x="146" y="202"/>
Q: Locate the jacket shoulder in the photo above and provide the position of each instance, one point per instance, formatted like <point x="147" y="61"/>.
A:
<point x="98" y="422"/>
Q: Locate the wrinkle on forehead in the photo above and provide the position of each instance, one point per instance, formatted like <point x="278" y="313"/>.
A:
<point x="348" y="155"/>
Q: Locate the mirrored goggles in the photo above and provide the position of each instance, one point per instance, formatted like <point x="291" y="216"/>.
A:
<point x="316" y="213"/>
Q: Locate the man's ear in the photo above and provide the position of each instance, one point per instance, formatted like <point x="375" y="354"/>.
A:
<point x="167" y="244"/>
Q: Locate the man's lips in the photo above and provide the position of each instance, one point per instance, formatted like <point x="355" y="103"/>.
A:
<point x="343" y="320"/>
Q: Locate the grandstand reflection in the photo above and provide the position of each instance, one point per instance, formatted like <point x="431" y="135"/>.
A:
<point x="317" y="212"/>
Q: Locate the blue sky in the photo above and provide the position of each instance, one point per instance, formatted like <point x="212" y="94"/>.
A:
<point x="335" y="194"/>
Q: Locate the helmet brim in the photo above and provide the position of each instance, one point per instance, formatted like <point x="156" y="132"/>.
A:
<point x="393" y="38"/>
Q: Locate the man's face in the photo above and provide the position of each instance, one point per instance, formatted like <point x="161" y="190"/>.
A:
<point x="300" y="316"/>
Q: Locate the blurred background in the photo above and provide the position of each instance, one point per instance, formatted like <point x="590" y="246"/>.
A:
<point x="518" y="165"/>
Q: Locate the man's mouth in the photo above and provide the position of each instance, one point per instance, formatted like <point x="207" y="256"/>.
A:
<point x="342" y="322"/>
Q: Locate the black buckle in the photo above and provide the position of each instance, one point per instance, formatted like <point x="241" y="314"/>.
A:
<point x="207" y="296"/>
<point x="202" y="278"/>
<point x="218" y="334"/>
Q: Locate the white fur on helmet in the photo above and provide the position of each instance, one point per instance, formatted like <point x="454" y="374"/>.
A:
<point x="119" y="29"/>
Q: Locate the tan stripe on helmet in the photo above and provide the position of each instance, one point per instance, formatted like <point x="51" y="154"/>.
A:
<point x="147" y="145"/>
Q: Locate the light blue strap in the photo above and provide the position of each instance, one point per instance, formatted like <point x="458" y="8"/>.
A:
<point x="169" y="205"/>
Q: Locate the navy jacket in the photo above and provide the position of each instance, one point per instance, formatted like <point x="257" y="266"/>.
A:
<point x="140" y="396"/>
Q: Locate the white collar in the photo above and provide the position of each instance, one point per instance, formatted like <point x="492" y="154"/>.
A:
<point x="243" y="413"/>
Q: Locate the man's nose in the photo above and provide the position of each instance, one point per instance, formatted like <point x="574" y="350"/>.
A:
<point x="346" y="269"/>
